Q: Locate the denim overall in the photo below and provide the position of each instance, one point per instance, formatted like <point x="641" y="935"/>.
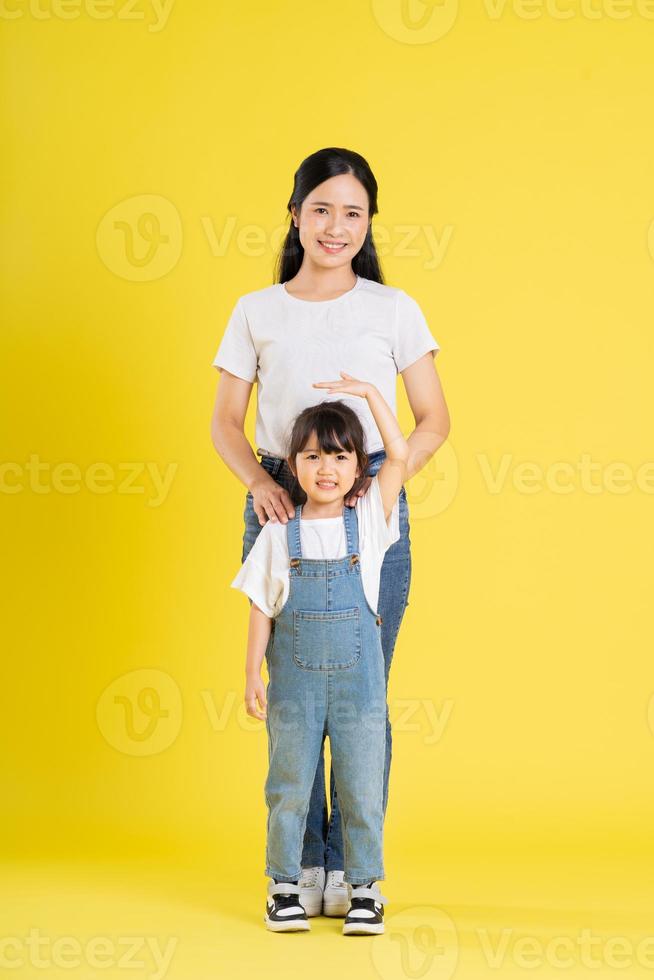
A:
<point x="327" y="677"/>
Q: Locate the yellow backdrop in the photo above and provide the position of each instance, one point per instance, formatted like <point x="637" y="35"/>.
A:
<point x="149" y="150"/>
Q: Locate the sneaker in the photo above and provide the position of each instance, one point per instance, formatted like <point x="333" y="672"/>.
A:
<point x="284" y="913"/>
<point x="365" y="916"/>
<point x="335" y="899"/>
<point x="312" y="883"/>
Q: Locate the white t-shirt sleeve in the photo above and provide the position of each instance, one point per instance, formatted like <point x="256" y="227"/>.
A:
<point x="374" y="532"/>
<point x="261" y="575"/>
<point x="413" y="338"/>
<point x="236" y="352"/>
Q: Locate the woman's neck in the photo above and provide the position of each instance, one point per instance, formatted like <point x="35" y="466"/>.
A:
<point x="315" y="283"/>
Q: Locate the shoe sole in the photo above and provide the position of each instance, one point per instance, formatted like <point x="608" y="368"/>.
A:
<point x="334" y="909"/>
<point x="311" y="906"/>
<point x="298" y="925"/>
<point x="354" y="929"/>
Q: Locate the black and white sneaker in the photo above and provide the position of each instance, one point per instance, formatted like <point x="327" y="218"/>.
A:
<point x="284" y="913"/>
<point x="365" y="916"/>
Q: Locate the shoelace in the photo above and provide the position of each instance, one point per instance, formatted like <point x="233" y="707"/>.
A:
<point x="334" y="882"/>
<point x="309" y="877"/>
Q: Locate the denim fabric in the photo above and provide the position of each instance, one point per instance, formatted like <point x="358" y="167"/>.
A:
<point x="327" y="677"/>
<point x="323" y="837"/>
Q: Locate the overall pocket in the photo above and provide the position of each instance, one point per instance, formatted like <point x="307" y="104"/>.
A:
<point x="326" y="640"/>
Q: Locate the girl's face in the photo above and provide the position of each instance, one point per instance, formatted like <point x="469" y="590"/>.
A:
<point x="334" y="213"/>
<point x="325" y="477"/>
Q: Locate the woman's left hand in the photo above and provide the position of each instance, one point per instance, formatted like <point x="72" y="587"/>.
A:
<point x="348" y="387"/>
<point x="352" y="498"/>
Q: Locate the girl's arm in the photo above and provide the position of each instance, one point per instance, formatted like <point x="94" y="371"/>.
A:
<point x="393" y="472"/>
<point x="258" y="635"/>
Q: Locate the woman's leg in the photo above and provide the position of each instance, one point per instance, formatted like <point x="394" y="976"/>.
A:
<point x="394" y="588"/>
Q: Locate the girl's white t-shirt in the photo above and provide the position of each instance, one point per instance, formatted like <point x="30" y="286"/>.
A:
<point x="264" y="577"/>
<point x="372" y="332"/>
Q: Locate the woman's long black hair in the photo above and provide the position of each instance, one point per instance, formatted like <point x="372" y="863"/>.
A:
<point x="315" y="169"/>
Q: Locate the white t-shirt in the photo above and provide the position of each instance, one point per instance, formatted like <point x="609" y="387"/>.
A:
<point x="372" y="332"/>
<point x="264" y="577"/>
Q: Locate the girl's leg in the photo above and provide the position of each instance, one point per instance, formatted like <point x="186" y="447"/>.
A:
<point x="316" y="832"/>
<point x="394" y="586"/>
<point x="293" y="748"/>
<point x="358" y="747"/>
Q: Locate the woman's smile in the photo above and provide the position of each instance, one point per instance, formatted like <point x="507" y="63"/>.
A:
<point x="332" y="247"/>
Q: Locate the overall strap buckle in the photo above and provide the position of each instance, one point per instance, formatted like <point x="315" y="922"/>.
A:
<point x="354" y="559"/>
<point x="295" y="562"/>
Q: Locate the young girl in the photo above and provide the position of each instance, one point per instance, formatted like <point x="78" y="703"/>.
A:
<point x="314" y="586"/>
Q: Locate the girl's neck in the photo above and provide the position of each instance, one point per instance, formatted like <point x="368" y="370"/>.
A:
<point x="318" y="511"/>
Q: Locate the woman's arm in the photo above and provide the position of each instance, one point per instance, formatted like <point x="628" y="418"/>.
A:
<point x="259" y="629"/>
<point x="425" y="394"/>
<point x="270" y="501"/>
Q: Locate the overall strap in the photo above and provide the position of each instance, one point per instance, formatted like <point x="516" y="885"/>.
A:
<point x="351" y="529"/>
<point x="293" y="534"/>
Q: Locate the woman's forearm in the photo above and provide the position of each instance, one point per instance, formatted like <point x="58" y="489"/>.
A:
<point x="423" y="443"/>
<point x="232" y="446"/>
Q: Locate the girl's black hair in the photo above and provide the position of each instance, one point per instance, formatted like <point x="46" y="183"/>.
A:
<point x="337" y="427"/>
<point x="315" y="169"/>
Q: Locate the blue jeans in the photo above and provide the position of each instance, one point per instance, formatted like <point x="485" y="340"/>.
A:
<point x="323" y="836"/>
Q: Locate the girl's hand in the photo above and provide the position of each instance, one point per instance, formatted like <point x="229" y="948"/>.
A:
<point x="351" y="499"/>
<point x="348" y="387"/>
<point x="255" y="691"/>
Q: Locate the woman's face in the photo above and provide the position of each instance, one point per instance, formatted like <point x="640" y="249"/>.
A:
<point x="325" y="477"/>
<point x="334" y="213"/>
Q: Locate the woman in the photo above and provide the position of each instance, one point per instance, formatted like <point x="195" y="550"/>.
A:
<point x="328" y="311"/>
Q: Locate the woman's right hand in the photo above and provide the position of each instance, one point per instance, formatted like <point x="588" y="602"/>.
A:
<point x="271" y="502"/>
